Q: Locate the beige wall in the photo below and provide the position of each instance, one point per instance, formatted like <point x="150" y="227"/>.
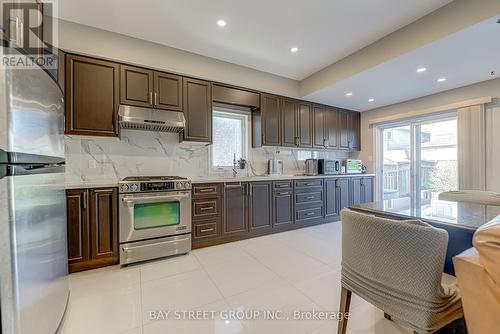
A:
<point x="91" y="41"/>
<point x="482" y="89"/>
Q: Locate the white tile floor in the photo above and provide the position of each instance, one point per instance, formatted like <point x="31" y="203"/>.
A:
<point x="297" y="270"/>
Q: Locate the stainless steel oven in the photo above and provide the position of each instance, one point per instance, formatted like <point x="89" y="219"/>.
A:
<point x="155" y="218"/>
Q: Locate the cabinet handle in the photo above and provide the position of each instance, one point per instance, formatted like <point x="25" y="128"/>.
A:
<point x="156" y="99"/>
<point x="203" y="230"/>
<point x="207" y="208"/>
<point x="150" y="97"/>
<point x="283" y="194"/>
<point x="283" y="185"/>
<point x="310" y="197"/>
<point x="206" y="190"/>
<point x="85" y="200"/>
<point x="250" y="188"/>
<point x="310" y="213"/>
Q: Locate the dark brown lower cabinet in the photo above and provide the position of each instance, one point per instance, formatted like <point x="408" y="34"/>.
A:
<point x="362" y="190"/>
<point x="92" y="216"/>
<point x="343" y="193"/>
<point x="331" y="198"/>
<point x="235" y="219"/>
<point x="283" y="207"/>
<point x="260" y="202"/>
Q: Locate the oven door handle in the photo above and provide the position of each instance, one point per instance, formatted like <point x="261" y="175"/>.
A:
<point x="155" y="199"/>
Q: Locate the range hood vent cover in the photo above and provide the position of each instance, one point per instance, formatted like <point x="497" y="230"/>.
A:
<point x="138" y="118"/>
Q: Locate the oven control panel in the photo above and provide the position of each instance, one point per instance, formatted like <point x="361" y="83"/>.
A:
<point x="154" y="186"/>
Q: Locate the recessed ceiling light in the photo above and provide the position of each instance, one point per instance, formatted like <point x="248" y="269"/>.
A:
<point x="348" y="94"/>
<point x="443" y="79"/>
<point x="371" y="100"/>
<point x="421" y="69"/>
<point x="221" y="23"/>
<point x="294" y="49"/>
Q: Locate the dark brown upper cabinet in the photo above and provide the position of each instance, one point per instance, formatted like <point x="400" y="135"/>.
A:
<point x="319" y="119"/>
<point x="136" y="86"/>
<point x="289" y="123"/>
<point x="92" y="96"/>
<point x="355" y="129"/>
<point x="305" y="124"/>
<point x="198" y="110"/>
<point x="344" y="130"/>
<point x="167" y="91"/>
<point x="271" y="120"/>
<point x="332" y="128"/>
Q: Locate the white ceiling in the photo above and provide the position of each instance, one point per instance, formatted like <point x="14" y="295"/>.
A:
<point x="259" y="33"/>
<point x="464" y="58"/>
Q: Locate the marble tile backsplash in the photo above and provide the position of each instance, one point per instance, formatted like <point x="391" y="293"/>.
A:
<point x="90" y="159"/>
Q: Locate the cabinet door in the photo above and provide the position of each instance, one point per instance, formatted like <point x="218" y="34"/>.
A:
<point x="198" y="110"/>
<point x="357" y="191"/>
<point x="344" y="130"/>
<point x="136" y="86"/>
<point x="92" y="96"/>
<point x="260" y="205"/>
<point x="235" y="209"/>
<point x="78" y="227"/>
<point x="367" y="189"/>
<point x="271" y="125"/>
<point x="355" y="130"/>
<point x="331" y="200"/>
<point x="104" y="225"/>
<point x="305" y="124"/>
<point x="332" y="128"/>
<point x="168" y="91"/>
<point x="283" y="207"/>
<point x="289" y="123"/>
<point x="343" y="193"/>
<point x="319" y="113"/>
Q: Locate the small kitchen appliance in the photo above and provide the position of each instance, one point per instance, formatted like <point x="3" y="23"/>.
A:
<point x="275" y="167"/>
<point x="353" y="166"/>
<point x="311" y="167"/>
<point x="155" y="217"/>
<point x="329" y="167"/>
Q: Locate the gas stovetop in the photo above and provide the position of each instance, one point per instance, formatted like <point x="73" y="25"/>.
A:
<point x="144" y="184"/>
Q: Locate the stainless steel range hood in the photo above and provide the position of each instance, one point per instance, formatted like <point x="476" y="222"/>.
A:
<point x="138" y="118"/>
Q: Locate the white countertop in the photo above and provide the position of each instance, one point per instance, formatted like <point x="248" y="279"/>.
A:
<point x="210" y="179"/>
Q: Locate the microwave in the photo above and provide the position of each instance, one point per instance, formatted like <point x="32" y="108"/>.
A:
<point x="329" y="167"/>
<point x="353" y="166"/>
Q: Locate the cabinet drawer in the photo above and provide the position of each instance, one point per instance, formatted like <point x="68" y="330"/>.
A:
<point x="309" y="197"/>
<point x="308" y="183"/>
<point x="282" y="185"/>
<point x="206" y="190"/>
<point x="309" y="213"/>
<point x="203" y="208"/>
<point x="206" y="229"/>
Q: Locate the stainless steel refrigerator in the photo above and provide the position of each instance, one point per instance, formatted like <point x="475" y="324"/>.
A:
<point x="33" y="249"/>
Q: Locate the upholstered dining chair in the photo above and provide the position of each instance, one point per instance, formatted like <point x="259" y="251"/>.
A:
<point x="397" y="266"/>
<point x="471" y="196"/>
<point x="478" y="276"/>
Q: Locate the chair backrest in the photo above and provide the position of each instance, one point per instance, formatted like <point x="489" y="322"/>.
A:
<point x="386" y="257"/>
<point x="471" y="196"/>
<point x="487" y="243"/>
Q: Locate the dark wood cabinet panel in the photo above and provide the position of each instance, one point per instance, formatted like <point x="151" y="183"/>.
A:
<point x="235" y="209"/>
<point x="319" y="118"/>
<point x="368" y="187"/>
<point x="206" y="207"/>
<point x="202" y="190"/>
<point x="92" y="96"/>
<point x="331" y="200"/>
<point x="104" y="224"/>
<point x="271" y="120"/>
<point x="168" y="91"/>
<point x="92" y="218"/>
<point x="362" y="190"/>
<point x="289" y="123"/>
<point x="136" y="86"/>
<point x="355" y="130"/>
<point x="332" y="128"/>
<point x="305" y="124"/>
<point x="343" y="193"/>
<point x="206" y="229"/>
<point x="260" y="203"/>
<point x="235" y="96"/>
<point x="198" y="110"/>
<point x="344" y="130"/>
<point x="78" y="228"/>
<point x="283" y="207"/>
<point x="356" y="191"/>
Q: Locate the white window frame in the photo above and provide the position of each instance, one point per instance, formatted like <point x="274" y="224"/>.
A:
<point x="238" y="114"/>
<point x="413" y="123"/>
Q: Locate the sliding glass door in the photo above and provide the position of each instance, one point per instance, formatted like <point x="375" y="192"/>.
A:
<point x="419" y="161"/>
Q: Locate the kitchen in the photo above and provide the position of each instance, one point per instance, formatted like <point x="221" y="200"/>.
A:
<point x="164" y="167"/>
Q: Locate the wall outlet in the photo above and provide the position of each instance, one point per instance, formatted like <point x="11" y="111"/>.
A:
<point x="92" y="164"/>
